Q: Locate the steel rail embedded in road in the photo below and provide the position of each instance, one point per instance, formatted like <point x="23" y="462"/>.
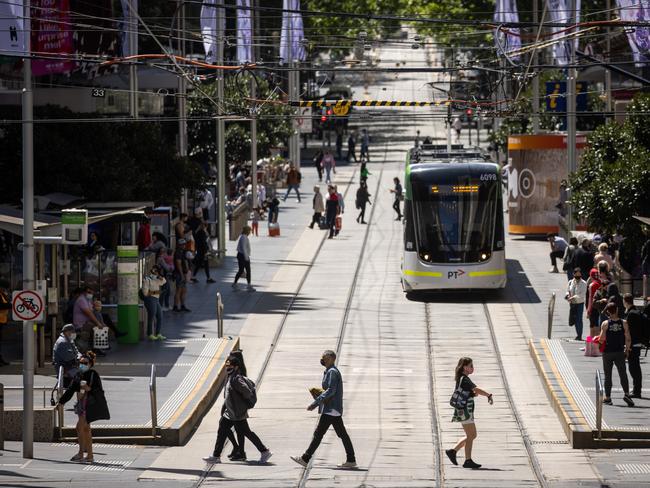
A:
<point x="278" y="334"/>
<point x="530" y="450"/>
<point x="435" y="419"/>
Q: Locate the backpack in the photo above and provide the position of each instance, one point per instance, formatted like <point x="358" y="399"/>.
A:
<point x="250" y="402"/>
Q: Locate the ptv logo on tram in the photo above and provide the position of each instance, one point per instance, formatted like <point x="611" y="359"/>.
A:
<point x="455" y="274"/>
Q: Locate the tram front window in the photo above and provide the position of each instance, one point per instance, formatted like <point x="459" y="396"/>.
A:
<point x="455" y="219"/>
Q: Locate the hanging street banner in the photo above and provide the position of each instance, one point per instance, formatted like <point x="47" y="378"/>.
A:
<point x="52" y="33"/>
<point x="12" y="39"/>
<point x="291" y="40"/>
<point x="639" y="37"/>
<point x="209" y="29"/>
<point x="558" y="12"/>
<point x="244" y="32"/>
<point x="506" y="12"/>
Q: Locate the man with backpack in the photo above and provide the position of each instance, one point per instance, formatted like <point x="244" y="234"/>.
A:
<point x="637" y="322"/>
<point x="239" y="397"/>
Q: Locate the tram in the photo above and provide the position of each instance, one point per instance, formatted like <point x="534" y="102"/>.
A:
<point x="453" y="221"/>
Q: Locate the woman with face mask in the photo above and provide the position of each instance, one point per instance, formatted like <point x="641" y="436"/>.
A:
<point x="91" y="404"/>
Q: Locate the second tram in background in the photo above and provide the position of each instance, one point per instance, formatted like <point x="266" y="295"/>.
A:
<point x="453" y="221"/>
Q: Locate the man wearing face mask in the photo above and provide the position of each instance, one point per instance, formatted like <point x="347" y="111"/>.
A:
<point x="238" y="395"/>
<point x="66" y="354"/>
<point x="330" y="407"/>
<point x="83" y="318"/>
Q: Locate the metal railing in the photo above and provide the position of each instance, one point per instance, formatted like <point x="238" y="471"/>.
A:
<point x="600" y="395"/>
<point x="154" y="401"/>
<point x="551" y="310"/>
<point x="219" y="315"/>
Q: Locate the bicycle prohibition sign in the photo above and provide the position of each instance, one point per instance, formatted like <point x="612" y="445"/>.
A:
<point x="27" y="305"/>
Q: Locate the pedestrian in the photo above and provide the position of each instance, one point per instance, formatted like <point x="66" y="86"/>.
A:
<point x="364" y="173"/>
<point x="181" y="228"/>
<point x="465" y="415"/>
<point x="84" y="320"/>
<point x="332" y="210"/>
<point x="318" y="163"/>
<point x="319" y="207"/>
<point x="558" y="247"/>
<point x="66" y="355"/>
<point x="274" y="210"/>
<point x="639" y="335"/>
<point x="417" y="139"/>
<point x="593" y="313"/>
<point x="244" y="258"/>
<point x="365" y="145"/>
<point x="351" y="148"/>
<point x="568" y="259"/>
<point x="457" y="125"/>
<point x="363" y="198"/>
<point x="181" y="268"/>
<point x="143" y="239"/>
<point x="158" y="243"/>
<point x="293" y="182"/>
<point x="329" y="401"/>
<point x="202" y="249"/>
<point x="91" y="405"/>
<point x="329" y="165"/>
<point x="603" y="255"/>
<point x="399" y="196"/>
<point x="165" y="264"/>
<point x="239" y="397"/>
<point x="151" y="287"/>
<point x="206" y="201"/>
<point x="616" y="335"/>
<point x="584" y="257"/>
<point x="5" y="307"/>
<point x="575" y="295"/>
<point x="255" y="221"/>
<point x="339" y="144"/>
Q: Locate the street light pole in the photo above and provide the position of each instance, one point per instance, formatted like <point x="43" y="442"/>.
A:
<point x="571" y="113"/>
<point x="28" y="234"/>
<point x="221" y="138"/>
<point x="182" y="100"/>
<point x="535" y="100"/>
<point x="253" y="20"/>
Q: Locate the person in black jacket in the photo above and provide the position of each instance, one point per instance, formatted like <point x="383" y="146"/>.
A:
<point x="639" y="338"/>
<point x="91" y="404"/>
<point x="201" y="258"/>
<point x="584" y="257"/>
<point x="363" y="198"/>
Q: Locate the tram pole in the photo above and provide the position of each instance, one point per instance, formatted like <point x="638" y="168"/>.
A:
<point x="28" y="234"/>
<point x="571" y="114"/>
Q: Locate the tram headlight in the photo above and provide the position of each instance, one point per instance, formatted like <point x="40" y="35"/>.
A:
<point x="484" y="256"/>
<point x="425" y="256"/>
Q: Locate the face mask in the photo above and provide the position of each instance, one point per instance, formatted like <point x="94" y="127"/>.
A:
<point x="230" y="370"/>
<point x="83" y="368"/>
<point x="73" y="336"/>
<point x="322" y="362"/>
<point x="89" y="296"/>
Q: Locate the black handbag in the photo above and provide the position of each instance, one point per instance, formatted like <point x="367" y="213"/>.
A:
<point x="96" y="404"/>
<point x="572" y="315"/>
<point x="460" y="397"/>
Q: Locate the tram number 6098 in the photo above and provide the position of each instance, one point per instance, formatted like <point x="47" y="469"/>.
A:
<point x="488" y="177"/>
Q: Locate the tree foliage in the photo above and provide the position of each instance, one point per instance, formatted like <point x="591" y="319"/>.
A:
<point x="612" y="181"/>
<point x="272" y="131"/>
<point x="98" y="160"/>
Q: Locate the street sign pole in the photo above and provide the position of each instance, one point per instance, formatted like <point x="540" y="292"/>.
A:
<point x="571" y="113"/>
<point x="28" y="235"/>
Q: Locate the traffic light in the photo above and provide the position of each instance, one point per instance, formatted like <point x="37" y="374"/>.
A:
<point x="325" y="114"/>
<point x="470" y="113"/>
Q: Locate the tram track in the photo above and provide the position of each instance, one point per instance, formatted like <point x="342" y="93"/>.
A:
<point x="343" y="325"/>
<point x="530" y="450"/>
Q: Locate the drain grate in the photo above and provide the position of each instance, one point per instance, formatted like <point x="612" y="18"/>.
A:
<point x="114" y="465"/>
<point x="634" y="468"/>
<point x="563" y="442"/>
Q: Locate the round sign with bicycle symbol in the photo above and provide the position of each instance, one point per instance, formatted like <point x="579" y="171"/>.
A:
<point x="27" y="306"/>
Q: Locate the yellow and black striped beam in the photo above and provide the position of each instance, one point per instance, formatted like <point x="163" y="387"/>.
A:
<point x="365" y="103"/>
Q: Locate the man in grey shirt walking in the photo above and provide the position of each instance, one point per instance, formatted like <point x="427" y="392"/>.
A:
<point x="330" y="406"/>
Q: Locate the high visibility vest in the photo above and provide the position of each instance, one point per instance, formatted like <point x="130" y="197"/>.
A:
<point x="4" y="314"/>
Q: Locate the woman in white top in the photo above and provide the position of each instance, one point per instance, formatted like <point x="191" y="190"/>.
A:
<point x="151" y="287"/>
<point x="244" y="258"/>
<point x="575" y="295"/>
